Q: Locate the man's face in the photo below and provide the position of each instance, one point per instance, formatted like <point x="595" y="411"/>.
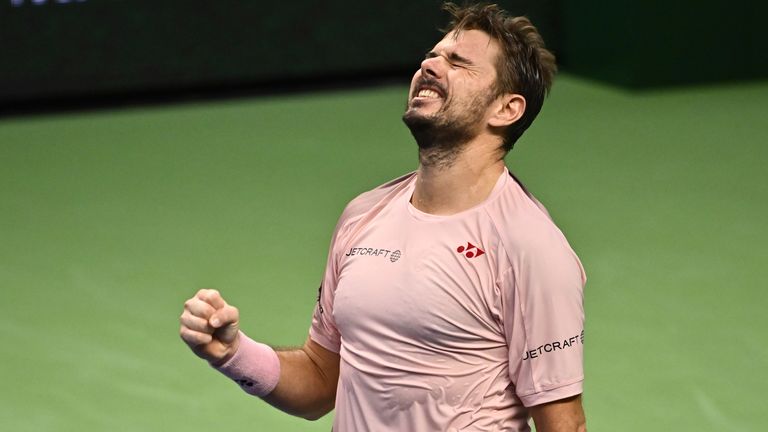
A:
<point x="450" y="96"/>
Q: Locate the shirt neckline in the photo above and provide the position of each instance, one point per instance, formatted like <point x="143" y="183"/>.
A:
<point x="428" y="217"/>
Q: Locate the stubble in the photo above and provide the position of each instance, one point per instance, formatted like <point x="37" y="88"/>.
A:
<point x="442" y="136"/>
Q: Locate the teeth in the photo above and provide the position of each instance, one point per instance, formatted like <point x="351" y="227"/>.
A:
<point x="428" y="93"/>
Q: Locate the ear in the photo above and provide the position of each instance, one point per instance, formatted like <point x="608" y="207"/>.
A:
<point x="509" y="108"/>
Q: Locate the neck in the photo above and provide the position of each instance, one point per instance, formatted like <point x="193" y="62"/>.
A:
<point x="450" y="183"/>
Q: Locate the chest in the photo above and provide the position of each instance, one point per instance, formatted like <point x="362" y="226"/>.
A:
<point x="406" y="282"/>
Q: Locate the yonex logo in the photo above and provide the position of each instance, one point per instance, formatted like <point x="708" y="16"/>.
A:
<point x="470" y="250"/>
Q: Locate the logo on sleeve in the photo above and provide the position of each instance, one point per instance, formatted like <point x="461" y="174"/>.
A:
<point x="554" y="346"/>
<point x="470" y="250"/>
<point x="319" y="295"/>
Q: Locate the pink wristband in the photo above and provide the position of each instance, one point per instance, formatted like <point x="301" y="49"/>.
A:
<point x="255" y="367"/>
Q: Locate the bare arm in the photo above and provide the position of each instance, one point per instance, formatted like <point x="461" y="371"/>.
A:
<point x="565" y="415"/>
<point x="308" y="379"/>
<point x="306" y="386"/>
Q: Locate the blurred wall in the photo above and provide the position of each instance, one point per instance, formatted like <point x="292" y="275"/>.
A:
<point x="96" y="46"/>
<point x="656" y="42"/>
<point x="62" y="48"/>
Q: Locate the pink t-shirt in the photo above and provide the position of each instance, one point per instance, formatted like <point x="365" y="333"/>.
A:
<point x="450" y="323"/>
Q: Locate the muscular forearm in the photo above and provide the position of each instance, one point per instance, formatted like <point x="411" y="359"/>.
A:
<point x="307" y="385"/>
<point x="566" y="415"/>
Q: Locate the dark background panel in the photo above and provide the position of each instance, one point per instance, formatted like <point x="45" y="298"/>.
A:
<point x="55" y="49"/>
<point x="652" y="43"/>
<point x="95" y="47"/>
<point x="119" y="45"/>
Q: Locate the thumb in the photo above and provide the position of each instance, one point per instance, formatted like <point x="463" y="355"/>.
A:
<point x="226" y="324"/>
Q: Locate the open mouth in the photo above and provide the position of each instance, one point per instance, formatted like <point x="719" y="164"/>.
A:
<point x="428" y="93"/>
<point x="429" y="90"/>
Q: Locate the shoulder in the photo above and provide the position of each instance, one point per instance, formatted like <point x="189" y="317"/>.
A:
<point x="526" y="230"/>
<point x="372" y="201"/>
<point x="518" y="216"/>
<point x="369" y="200"/>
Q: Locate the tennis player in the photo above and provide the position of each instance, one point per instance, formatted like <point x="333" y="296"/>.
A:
<point x="450" y="301"/>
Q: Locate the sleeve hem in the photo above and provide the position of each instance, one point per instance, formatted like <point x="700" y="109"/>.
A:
<point x="554" y="394"/>
<point x="324" y="341"/>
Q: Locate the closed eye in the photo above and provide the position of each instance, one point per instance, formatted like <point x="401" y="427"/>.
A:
<point x="457" y="59"/>
<point x="453" y="58"/>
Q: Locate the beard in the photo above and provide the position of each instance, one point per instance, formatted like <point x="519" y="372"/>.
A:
<point x="442" y="136"/>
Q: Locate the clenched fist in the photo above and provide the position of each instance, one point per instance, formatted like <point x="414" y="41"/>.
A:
<point x="210" y="326"/>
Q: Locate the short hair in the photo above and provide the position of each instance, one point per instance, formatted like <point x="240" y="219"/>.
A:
<point x="525" y="66"/>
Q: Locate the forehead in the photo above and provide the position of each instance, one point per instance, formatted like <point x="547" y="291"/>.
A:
<point x="475" y="45"/>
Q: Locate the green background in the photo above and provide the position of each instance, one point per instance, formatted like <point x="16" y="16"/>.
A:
<point x="110" y="219"/>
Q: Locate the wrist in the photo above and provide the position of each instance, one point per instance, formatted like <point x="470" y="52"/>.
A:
<point x="252" y="365"/>
<point x="231" y="351"/>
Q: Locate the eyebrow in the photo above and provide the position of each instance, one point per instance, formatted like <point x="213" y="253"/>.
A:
<point x="452" y="57"/>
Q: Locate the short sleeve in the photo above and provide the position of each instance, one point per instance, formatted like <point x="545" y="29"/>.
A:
<point x="323" y="329"/>
<point x="543" y="313"/>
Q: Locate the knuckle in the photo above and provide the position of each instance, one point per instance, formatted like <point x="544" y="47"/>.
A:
<point x="207" y="294"/>
<point x="192" y="304"/>
<point x="192" y="309"/>
<point x="186" y="318"/>
<point x="193" y="338"/>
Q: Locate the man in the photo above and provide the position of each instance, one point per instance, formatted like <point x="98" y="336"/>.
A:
<point x="450" y="300"/>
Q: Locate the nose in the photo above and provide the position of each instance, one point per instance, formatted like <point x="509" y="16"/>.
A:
<point x="431" y="67"/>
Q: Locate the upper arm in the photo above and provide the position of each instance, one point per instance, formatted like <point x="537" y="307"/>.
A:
<point x="543" y="316"/>
<point x="564" y="415"/>
<point x="326" y="362"/>
<point x="326" y="376"/>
